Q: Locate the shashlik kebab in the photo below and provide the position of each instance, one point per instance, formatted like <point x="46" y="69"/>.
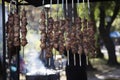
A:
<point x="79" y="37"/>
<point x="23" y="28"/>
<point x="58" y="33"/>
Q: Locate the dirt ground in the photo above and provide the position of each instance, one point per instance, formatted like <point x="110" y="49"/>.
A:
<point x="105" y="73"/>
<point x="102" y="73"/>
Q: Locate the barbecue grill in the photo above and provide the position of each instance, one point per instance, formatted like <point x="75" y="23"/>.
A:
<point x="43" y="77"/>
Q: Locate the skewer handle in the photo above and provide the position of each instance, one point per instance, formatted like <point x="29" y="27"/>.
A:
<point x="74" y="60"/>
<point x="87" y="59"/>
<point x="57" y="8"/>
<point x="73" y="11"/>
<point x="49" y="61"/>
<point x="23" y="52"/>
<point x="43" y="2"/>
<point x="55" y="54"/>
<point x="88" y="6"/>
<point x="50" y="8"/>
<point x="68" y="56"/>
<point x="78" y="1"/>
<point x="79" y="59"/>
<point x="67" y="7"/>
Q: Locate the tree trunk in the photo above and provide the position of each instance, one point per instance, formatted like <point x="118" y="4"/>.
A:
<point x="92" y="17"/>
<point x="111" y="50"/>
<point x="99" y="53"/>
<point x="104" y="33"/>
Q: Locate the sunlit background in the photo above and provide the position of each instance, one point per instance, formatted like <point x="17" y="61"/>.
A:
<point x="33" y="37"/>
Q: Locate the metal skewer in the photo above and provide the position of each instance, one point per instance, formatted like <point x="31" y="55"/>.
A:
<point x="47" y="16"/>
<point x="83" y="8"/>
<point x="49" y="62"/>
<point x="87" y="57"/>
<point x="57" y="8"/>
<point x="73" y="11"/>
<point x="87" y="60"/>
<point x="43" y="51"/>
<point x="83" y="27"/>
<point x="88" y="6"/>
<point x="78" y="7"/>
<point x="80" y="30"/>
<point x="57" y="20"/>
<point x="88" y="3"/>
<point x="74" y="59"/>
<point x="62" y="9"/>
<point x="67" y="8"/>
<point x="50" y="7"/>
<point x="79" y="59"/>
<point x="67" y="16"/>
<point x="78" y="2"/>
<point x="23" y="52"/>
<point x="55" y="54"/>
<point x="68" y="57"/>
<point x="74" y="56"/>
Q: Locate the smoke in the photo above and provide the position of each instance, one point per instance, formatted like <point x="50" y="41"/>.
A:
<point x="35" y="66"/>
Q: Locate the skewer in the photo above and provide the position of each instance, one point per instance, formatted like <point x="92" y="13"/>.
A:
<point x="78" y="1"/>
<point x="10" y="7"/>
<point x="67" y="16"/>
<point x="80" y="30"/>
<point x="57" y="8"/>
<point x="43" y="2"/>
<point x="49" y="62"/>
<point x="78" y="7"/>
<point x="73" y="11"/>
<point x="44" y="53"/>
<point x="23" y="52"/>
<point x="80" y="52"/>
<point x="74" y="56"/>
<point x="48" y="41"/>
<point x="55" y="54"/>
<point x="50" y="7"/>
<point x="23" y="31"/>
<point x="41" y="54"/>
<point x="68" y="56"/>
<point x="88" y="6"/>
<point x="74" y="59"/>
<point x="67" y="8"/>
<point x="83" y="4"/>
<point x="57" y="20"/>
<point x="87" y="57"/>
<point x="83" y="28"/>
<point x="87" y="60"/>
<point x="43" y="50"/>
<point x="84" y="9"/>
<point x="62" y="9"/>
<point x="79" y="59"/>
<point x="88" y="3"/>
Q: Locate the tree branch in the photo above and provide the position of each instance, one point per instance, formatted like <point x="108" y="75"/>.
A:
<point x="102" y="20"/>
<point x="115" y="13"/>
